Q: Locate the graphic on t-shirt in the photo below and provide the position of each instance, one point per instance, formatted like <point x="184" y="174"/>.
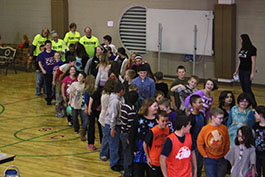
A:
<point x="243" y="54"/>
<point x="49" y="61"/>
<point x="184" y="152"/>
<point x="214" y="141"/>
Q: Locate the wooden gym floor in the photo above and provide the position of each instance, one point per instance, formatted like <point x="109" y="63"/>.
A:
<point x="43" y="144"/>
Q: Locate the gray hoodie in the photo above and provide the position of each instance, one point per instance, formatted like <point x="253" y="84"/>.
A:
<point x="113" y="112"/>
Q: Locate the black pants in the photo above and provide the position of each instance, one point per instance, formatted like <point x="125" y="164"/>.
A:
<point x="141" y="170"/>
<point x="260" y="164"/>
<point x="91" y="127"/>
<point x="48" y="83"/>
<point x="244" y="77"/>
<point x="155" y="171"/>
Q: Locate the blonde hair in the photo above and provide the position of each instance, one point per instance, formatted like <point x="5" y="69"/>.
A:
<point x="90" y="84"/>
<point x="216" y="111"/>
<point x="104" y="60"/>
<point x="131" y="73"/>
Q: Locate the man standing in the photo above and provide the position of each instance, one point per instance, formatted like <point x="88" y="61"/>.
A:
<point x="89" y="42"/>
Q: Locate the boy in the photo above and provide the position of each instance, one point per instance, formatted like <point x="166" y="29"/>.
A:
<point x="213" y="144"/>
<point x="154" y="142"/>
<point x="197" y="122"/>
<point x="259" y="130"/>
<point x="179" y="151"/>
<point x="140" y="99"/>
<point x="145" y="84"/>
<point x="164" y="105"/>
<point x="129" y="75"/>
<point x="107" y="43"/>
<point x="185" y="90"/>
<point x="160" y="85"/>
<point x="113" y="125"/>
<point x="46" y="62"/>
<point x="39" y="76"/>
<point x="174" y="96"/>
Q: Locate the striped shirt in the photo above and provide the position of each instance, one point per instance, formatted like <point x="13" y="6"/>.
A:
<point x="128" y="115"/>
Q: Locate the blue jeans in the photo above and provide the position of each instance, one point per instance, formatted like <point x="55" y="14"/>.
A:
<point x="215" y="167"/>
<point x="114" y="144"/>
<point x="84" y="119"/>
<point x="127" y="155"/>
<point x="244" y="77"/>
<point x="199" y="160"/>
<point x="40" y="83"/>
<point x="104" y="144"/>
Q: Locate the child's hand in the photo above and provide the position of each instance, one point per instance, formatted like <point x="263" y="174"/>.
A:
<point x="183" y="87"/>
<point x="64" y="98"/>
<point x="86" y="112"/>
<point x="53" y="83"/>
<point x="112" y="132"/>
<point x="149" y="163"/>
<point x="89" y="112"/>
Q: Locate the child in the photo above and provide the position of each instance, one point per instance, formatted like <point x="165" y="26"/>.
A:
<point x="138" y="61"/>
<point x="57" y="85"/>
<point x="226" y="102"/>
<point x="103" y="70"/>
<point x="185" y="90"/>
<point x="129" y="75"/>
<point x="88" y="91"/>
<point x="140" y="100"/>
<point x="40" y="77"/>
<point x="197" y="122"/>
<point x="240" y="115"/>
<point x="107" y="90"/>
<point x="107" y="43"/>
<point x="160" y="85"/>
<point x="259" y="130"/>
<point x="122" y="59"/>
<point x="179" y="151"/>
<point x="159" y="95"/>
<point x="146" y="85"/>
<point x="164" y="105"/>
<point x="69" y="53"/>
<point x="75" y="99"/>
<point x="242" y="155"/>
<point x="46" y="62"/>
<point x="174" y="96"/>
<point x="66" y="83"/>
<point x="154" y="142"/>
<point x="213" y="144"/>
<point x="208" y="86"/>
<point x="128" y="114"/>
<point x="113" y="125"/>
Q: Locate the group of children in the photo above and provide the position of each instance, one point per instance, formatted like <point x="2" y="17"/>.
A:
<point x="139" y="131"/>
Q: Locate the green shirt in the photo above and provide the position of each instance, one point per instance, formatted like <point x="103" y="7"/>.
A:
<point x="89" y="44"/>
<point x="175" y="94"/>
<point x="38" y="41"/>
<point x="71" y="38"/>
<point x="59" y="47"/>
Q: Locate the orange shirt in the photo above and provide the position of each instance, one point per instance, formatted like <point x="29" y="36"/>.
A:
<point x="159" y="138"/>
<point x="213" y="141"/>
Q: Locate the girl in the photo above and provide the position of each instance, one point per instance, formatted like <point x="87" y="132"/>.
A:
<point x="240" y="115"/>
<point x="207" y="99"/>
<point x="114" y="71"/>
<point x="80" y="56"/>
<point x="103" y="70"/>
<point x="242" y="155"/>
<point x="259" y="131"/>
<point x="88" y="91"/>
<point x="75" y="99"/>
<point x="159" y="95"/>
<point x="141" y="125"/>
<point x="226" y="102"/>
<point x="66" y="83"/>
<point x="130" y="62"/>
<point x="246" y="65"/>
<point x="107" y="90"/>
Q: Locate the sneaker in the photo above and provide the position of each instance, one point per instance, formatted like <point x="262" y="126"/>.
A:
<point x="116" y="168"/>
<point x="92" y="147"/>
<point x="70" y="124"/>
<point x="59" y="114"/>
<point x="104" y="158"/>
<point x="76" y="132"/>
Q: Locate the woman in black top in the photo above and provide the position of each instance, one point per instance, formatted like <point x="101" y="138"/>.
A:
<point x="246" y="65"/>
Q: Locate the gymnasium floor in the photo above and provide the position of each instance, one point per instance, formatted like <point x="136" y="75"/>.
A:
<point x="43" y="144"/>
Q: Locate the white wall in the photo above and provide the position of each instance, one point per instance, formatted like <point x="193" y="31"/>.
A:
<point x="18" y="17"/>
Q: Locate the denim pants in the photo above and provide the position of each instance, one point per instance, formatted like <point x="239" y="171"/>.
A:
<point x="84" y="119"/>
<point x="127" y="155"/>
<point x="199" y="160"/>
<point x="104" y="144"/>
<point x="75" y="113"/>
<point x="59" y="98"/>
<point x="114" y="144"/>
<point x="40" y="83"/>
<point x="215" y="167"/>
<point x="244" y="77"/>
